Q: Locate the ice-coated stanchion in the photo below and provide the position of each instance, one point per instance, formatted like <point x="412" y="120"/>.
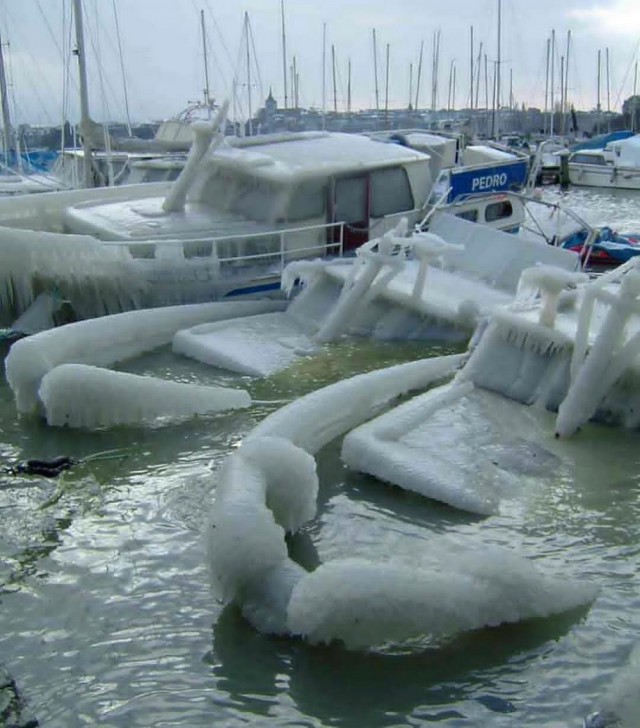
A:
<point x="608" y="356"/>
<point x="428" y="247"/>
<point x="204" y="132"/>
<point x="550" y="281"/>
<point x="362" y="285"/>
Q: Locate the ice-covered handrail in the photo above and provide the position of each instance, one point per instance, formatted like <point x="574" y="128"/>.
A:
<point x="593" y="373"/>
<point x="550" y="281"/>
<point x="361" y="284"/>
<point x="269" y="486"/>
<point x="206" y="138"/>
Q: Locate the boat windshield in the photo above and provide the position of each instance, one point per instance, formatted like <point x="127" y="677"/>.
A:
<point x="244" y="195"/>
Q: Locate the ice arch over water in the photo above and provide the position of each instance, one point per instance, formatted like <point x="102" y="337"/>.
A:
<point x="269" y="487"/>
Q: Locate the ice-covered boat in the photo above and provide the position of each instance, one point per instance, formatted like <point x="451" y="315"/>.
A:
<point x="615" y="165"/>
<point x="396" y="287"/>
<point x="227" y="226"/>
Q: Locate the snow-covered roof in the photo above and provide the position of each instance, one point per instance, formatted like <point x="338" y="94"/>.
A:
<point x="315" y="154"/>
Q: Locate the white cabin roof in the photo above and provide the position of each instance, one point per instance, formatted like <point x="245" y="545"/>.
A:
<point x="314" y="155"/>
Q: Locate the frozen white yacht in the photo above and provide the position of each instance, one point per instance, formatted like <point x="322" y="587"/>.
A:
<point x="238" y="213"/>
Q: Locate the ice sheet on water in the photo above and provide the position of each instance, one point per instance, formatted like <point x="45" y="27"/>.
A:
<point x="456" y="444"/>
<point x="77" y="395"/>
<point x="255" y="345"/>
<point x="110" y="339"/>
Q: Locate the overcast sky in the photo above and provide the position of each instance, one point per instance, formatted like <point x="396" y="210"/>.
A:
<point x="163" y="65"/>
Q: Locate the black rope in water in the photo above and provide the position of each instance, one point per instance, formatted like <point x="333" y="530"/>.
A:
<point x="53" y="468"/>
<point x="47" y="468"/>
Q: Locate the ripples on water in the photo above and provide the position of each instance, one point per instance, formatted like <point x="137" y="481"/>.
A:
<point x="107" y="617"/>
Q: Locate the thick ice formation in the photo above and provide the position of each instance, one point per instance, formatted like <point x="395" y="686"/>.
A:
<point x="269" y="486"/>
<point x="610" y="355"/>
<point x="463" y="446"/>
<point x="315" y="419"/>
<point x="372" y="603"/>
<point x="108" y="340"/>
<point x="620" y="706"/>
<point x="255" y="345"/>
<point x="77" y="395"/>
<point x="97" y="279"/>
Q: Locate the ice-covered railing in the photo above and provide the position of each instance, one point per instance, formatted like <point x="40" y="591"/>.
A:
<point x="269" y="486"/>
<point x="596" y="365"/>
<point x="197" y="248"/>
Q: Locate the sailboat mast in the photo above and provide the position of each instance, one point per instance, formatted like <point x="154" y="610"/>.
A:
<point x="284" y="55"/>
<point x="333" y="64"/>
<point x="419" y="74"/>
<point x="552" y="78"/>
<point x="410" y="85"/>
<point x="84" y="94"/>
<point x="324" y="74"/>
<point x="386" y="92"/>
<point x="246" y="40"/>
<point x="471" y="71"/>
<point x="566" y="83"/>
<point x="478" y="74"/>
<point x="546" y="86"/>
<point x="634" y="110"/>
<point x="598" y="106"/>
<point x="349" y="86"/>
<point x="375" y="70"/>
<point x="9" y="141"/>
<point x="207" y="97"/>
<point x="608" y="93"/>
<point x="497" y="116"/>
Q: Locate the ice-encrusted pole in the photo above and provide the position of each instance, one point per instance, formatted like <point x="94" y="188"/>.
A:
<point x="428" y="247"/>
<point x="204" y="141"/>
<point x="550" y="281"/>
<point x="607" y="359"/>
<point x="355" y="288"/>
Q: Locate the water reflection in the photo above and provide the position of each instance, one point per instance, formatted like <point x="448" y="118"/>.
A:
<point x="339" y="687"/>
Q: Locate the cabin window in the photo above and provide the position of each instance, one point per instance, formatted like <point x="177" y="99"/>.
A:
<point x="307" y="201"/>
<point x="597" y="160"/>
<point x="390" y="192"/>
<point x="256" y="200"/>
<point x="470" y="215"/>
<point x="498" y="211"/>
